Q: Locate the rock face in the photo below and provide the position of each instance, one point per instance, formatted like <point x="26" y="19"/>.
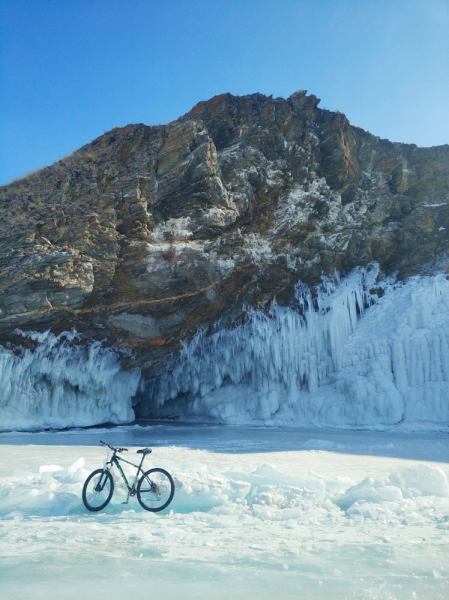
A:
<point x="147" y="233"/>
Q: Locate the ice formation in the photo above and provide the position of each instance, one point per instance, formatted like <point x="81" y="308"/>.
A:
<point x="352" y="360"/>
<point x="342" y="359"/>
<point x="266" y="491"/>
<point x="61" y="384"/>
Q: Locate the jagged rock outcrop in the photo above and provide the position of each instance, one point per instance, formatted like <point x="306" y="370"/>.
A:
<point x="149" y="232"/>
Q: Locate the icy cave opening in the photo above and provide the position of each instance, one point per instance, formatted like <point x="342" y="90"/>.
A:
<point x="344" y="358"/>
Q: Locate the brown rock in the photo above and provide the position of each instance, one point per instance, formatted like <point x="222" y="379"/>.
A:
<point x="148" y="233"/>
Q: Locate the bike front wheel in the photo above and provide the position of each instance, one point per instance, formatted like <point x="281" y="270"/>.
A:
<point x="155" y="490"/>
<point x="98" y="490"/>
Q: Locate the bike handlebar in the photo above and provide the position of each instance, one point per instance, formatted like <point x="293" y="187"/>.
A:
<point x="112" y="447"/>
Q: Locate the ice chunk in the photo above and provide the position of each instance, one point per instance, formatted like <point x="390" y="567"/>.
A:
<point x="49" y="468"/>
<point x="76" y="466"/>
<point x="429" y="480"/>
<point x="408" y="482"/>
<point x="370" y="489"/>
<point x="193" y="466"/>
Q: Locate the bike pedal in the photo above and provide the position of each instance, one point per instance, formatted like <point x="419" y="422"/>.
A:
<point x="125" y="502"/>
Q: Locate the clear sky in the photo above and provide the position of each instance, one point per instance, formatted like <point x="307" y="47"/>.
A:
<point x="72" y="69"/>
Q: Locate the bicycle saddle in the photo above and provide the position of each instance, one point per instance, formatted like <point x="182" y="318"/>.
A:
<point x="145" y="451"/>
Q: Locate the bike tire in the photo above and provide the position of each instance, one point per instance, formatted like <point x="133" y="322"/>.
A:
<point x="152" y="485"/>
<point x="95" y="500"/>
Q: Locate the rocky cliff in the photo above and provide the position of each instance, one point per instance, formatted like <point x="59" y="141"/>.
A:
<point x="150" y="232"/>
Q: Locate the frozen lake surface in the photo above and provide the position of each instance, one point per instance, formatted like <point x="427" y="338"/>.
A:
<point x="257" y="513"/>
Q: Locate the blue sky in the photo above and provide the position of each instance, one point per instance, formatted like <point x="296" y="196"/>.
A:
<point x="72" y="69"/>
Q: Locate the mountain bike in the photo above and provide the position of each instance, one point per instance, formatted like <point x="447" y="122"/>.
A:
<point x="155" y="489"/>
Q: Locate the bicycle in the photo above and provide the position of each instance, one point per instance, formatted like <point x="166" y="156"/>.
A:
<point x="154" y="491"/>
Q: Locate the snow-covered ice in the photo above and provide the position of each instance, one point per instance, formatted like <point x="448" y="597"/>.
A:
<point x="257" y="513"/>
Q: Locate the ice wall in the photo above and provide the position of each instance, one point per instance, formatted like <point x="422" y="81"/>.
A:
<point x="343" y="359"/>
<point x="347" y="359"/>
<point x="60" y="384"/>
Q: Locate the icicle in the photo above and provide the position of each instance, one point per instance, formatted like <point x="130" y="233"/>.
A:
<point x="342" y="363"/>
<point x="60" y="385"/>
<point x="287" y="348"/>
<point x="352" y="360"/>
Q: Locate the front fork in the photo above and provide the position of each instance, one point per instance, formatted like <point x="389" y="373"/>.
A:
<point x="100" y="485"/>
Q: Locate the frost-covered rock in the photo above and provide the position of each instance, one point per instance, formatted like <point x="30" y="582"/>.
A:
<point x="151" y="234"/>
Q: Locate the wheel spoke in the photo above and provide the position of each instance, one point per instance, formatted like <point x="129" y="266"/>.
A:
<point x="95" y="497"/>
<point x="155" y="490"/>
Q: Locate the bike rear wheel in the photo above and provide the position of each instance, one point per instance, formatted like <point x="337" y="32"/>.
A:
<point x="155" y="490"/>
<point x="98" y="490"/>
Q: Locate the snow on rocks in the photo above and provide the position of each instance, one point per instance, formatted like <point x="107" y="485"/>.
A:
<point x="295" y="207"/>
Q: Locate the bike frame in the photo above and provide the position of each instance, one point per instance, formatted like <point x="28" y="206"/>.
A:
<point x="115" y="460"/>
